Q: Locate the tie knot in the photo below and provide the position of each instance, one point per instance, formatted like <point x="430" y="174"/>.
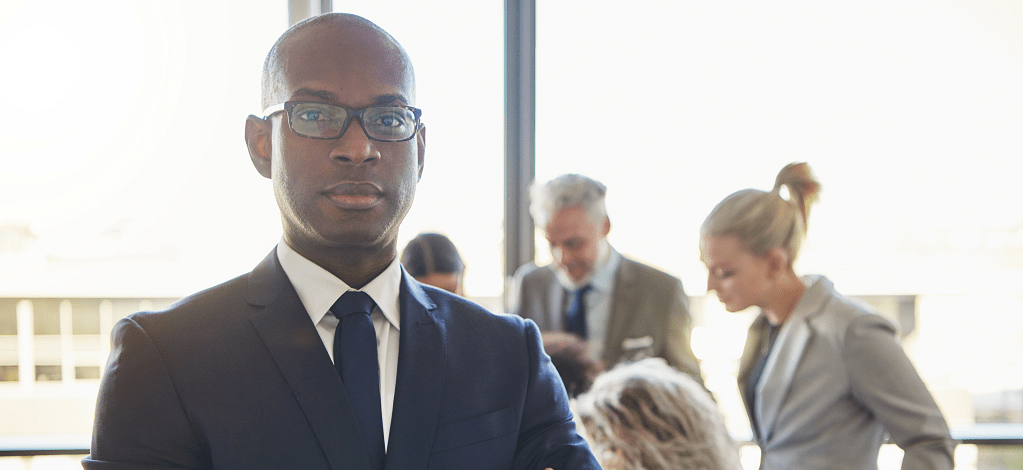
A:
<point x="352" y="302"/>
<point x="583" y="290"/>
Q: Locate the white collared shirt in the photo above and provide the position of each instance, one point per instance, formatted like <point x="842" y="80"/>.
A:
<point x="599" y="299"/>
<point x="318" y="289"/>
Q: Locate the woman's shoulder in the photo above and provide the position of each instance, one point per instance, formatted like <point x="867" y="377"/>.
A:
<point x="840" y="313"/>
<point x="857" y="318"/>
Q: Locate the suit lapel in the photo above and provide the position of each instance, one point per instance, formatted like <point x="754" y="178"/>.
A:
<point x="557" y="304"/>
<point x="778" y="372"/>
<point x="748" y="359"/>
<point x="785" y="356"/>
<point x="292" y="341"/>
<point x="420" y="381"/>
<point x="622" y="298"/>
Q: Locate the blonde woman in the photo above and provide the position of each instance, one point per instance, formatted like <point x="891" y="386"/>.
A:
<point x="822" y="376"/>
<point x="647" y="415"/>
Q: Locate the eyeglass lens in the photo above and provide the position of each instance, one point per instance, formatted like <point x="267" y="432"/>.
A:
<point x="321" y="120"/>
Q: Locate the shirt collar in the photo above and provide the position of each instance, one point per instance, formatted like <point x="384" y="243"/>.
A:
<point x="603" y="279"/>
<point x="318" y="289"/>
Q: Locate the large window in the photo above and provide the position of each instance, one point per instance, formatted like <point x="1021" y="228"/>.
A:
<point x="124" y="167"/>
<point x="136" y="173"/>
<point x="457" y="50"/>
<point x="127" y="184"/>
<point x="908" y="111"/>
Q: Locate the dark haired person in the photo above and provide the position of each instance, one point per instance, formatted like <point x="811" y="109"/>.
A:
<point x="431" y="258"/>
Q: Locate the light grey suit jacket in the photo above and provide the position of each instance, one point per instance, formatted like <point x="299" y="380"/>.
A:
<point x="649" y="313"/>
<point x="835" y="381"/>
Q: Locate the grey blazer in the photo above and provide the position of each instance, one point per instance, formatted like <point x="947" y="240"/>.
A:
<point x="835" y="381"/>
<point x="649" y="313"/>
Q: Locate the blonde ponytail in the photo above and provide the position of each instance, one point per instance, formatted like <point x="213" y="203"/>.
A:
<point x="764" y="220"/>
<point x="802" y="186"/>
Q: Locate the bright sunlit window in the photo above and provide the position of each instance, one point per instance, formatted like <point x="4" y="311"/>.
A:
<point x="127" y="184"/>
<point x="909" y="112"/>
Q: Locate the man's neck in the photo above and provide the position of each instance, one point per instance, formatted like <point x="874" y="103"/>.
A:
<point x="355" y="266"/>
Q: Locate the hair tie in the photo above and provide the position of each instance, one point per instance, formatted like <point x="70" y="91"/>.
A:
<point x="777" y="191"/>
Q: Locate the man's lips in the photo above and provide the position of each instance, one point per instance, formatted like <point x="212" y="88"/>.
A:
<point x="355" y="196"/>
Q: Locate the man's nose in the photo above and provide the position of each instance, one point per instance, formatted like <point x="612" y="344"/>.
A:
<point x="354" y="146"/>
<point x="710" y="283"/>
<point x="568" y="256"/>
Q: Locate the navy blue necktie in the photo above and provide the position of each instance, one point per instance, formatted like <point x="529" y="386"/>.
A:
<point x="355" y="357"/>
<point x="575" y="317"/>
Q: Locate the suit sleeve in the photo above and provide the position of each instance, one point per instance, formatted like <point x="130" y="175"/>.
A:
<point x="140" y="423"/>
<point x="515" y="294"/>
<point x="679" y="353"/>
<point x="547" y="436"/>
<point x="525" y="300"/>
<point x="513" y="302"/>
<point x="885" y="381"/>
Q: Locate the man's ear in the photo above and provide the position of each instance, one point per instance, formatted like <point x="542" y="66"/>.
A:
<point x="421" y="148"/>
<point x="605" y="228"/>
<point x="257" y="139"/>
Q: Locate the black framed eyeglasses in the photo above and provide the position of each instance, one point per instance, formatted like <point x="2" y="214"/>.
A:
<point x="390" y="123"/>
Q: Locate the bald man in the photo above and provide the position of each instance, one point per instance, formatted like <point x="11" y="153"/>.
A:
<point x="264" y="371"/>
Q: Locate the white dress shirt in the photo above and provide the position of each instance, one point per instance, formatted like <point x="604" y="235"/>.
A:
<point x="599" y="299"/>
<point x="318" y="289"/>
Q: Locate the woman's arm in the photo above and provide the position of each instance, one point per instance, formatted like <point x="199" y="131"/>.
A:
<point x="884" y="380"/>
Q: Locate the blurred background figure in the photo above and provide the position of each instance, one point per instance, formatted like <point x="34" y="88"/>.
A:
<point x="647" y="415"/>
<point x="431" y="258"/>
<point x="575" y="365"/>
<point x="625" y="310"/>
<point x="823" y="377"/>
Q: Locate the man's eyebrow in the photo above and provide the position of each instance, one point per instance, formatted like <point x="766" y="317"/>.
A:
<point x="321" y="94"/>
<point x="330" y="97"/>
<point x="388" y="99"/>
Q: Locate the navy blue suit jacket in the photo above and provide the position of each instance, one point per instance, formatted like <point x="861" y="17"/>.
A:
<point x="236" y="377"/>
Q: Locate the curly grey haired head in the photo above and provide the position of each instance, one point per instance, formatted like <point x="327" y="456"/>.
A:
<point x="647" y="415"/>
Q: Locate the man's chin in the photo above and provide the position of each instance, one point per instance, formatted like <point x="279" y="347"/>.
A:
<point x="357" y="238"/>
<point x="576" y="278"/>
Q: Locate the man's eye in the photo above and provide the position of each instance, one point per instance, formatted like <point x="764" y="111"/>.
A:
<point x="312" y="115"/>
<point x="390" y="120"/>
<point x="312" y="112"/>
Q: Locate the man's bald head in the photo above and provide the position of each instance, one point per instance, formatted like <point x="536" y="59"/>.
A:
<point x="355" y="28"/>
